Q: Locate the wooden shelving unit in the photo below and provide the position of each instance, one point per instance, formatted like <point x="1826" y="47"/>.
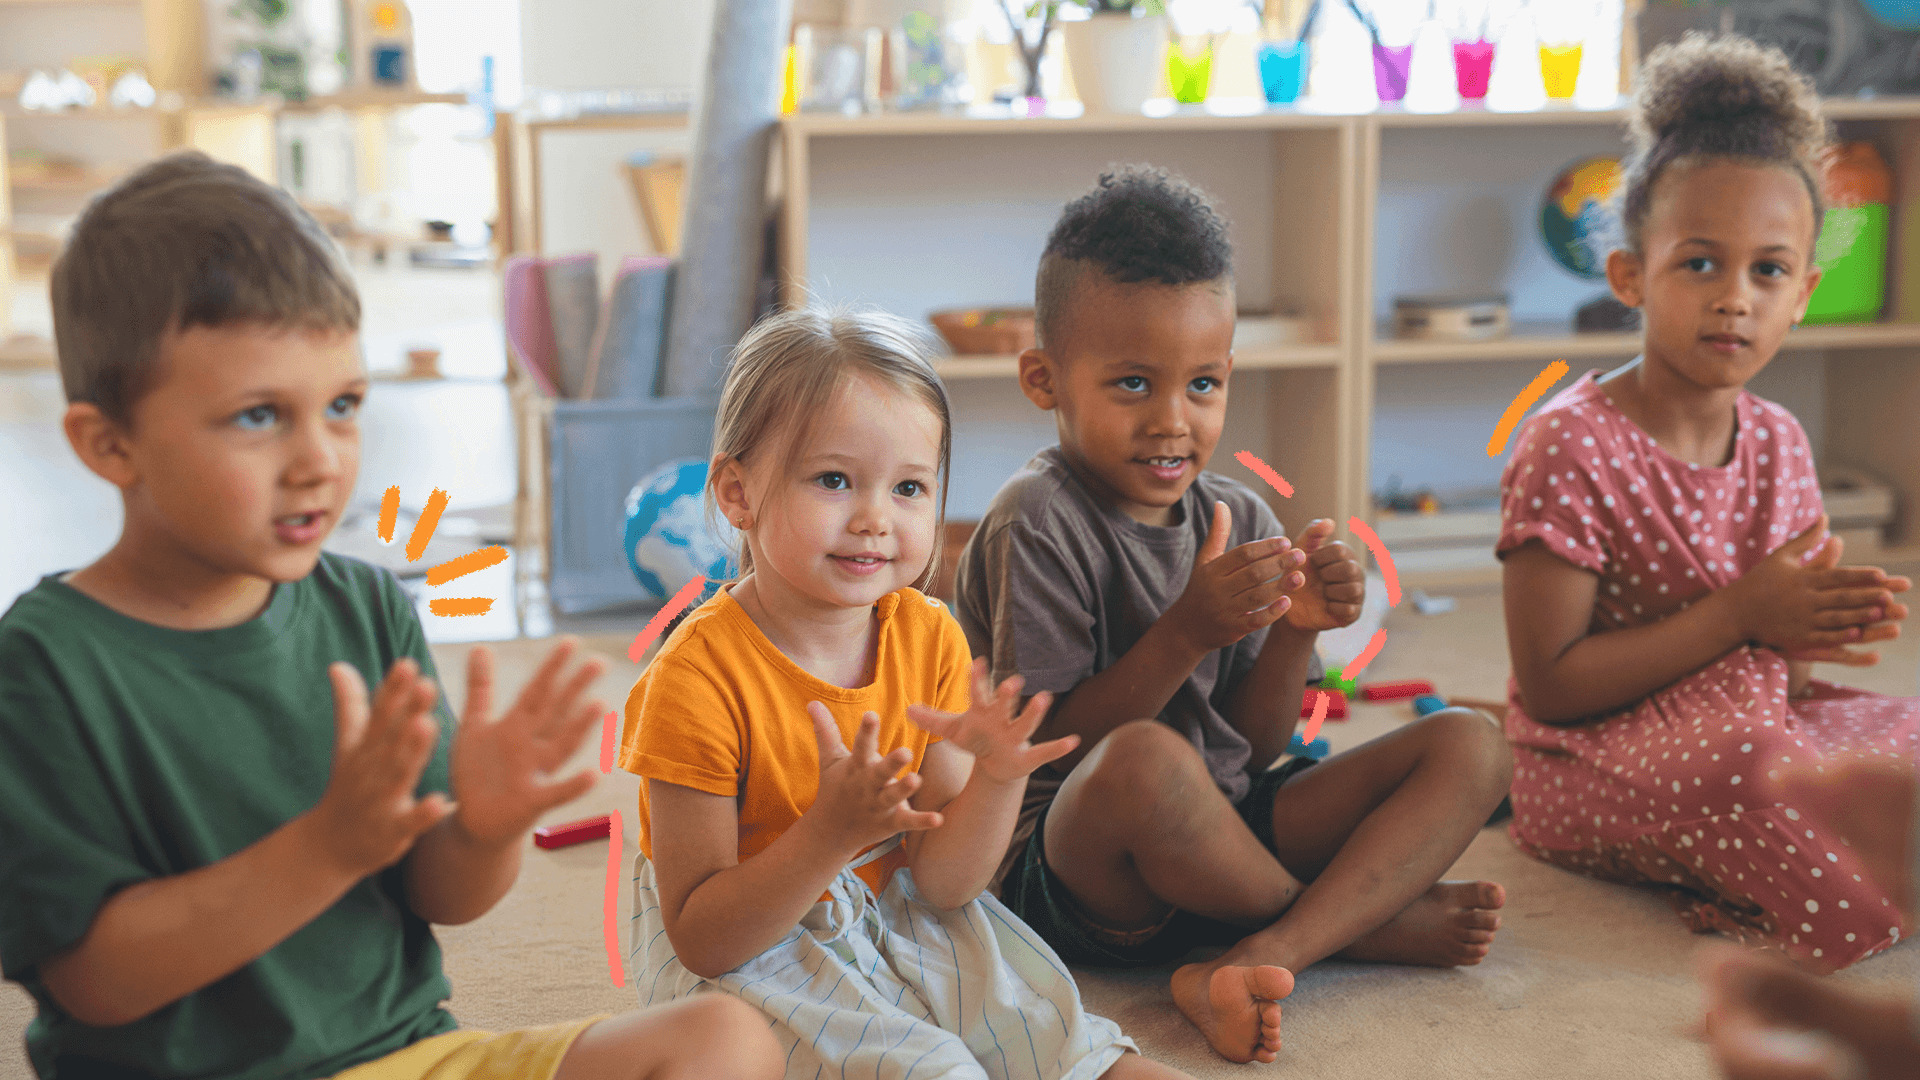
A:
<point x="1314" y="247"/>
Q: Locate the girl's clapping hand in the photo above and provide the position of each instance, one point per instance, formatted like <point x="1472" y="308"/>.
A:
<point x="993" y="732"/>
<point x="1802" y="601"/>
<point x="863" y="796"/>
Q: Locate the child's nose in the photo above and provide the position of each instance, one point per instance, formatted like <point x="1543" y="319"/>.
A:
<point x="871" y="516"/>
<point x="318" y="456"/>
<point x="1737" y="299"/>
<point x="1169" y="418"/>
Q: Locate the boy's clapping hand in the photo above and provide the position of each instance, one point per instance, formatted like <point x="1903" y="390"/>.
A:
<point x="499" y="769"/>
<point x="369" y="818"/>
<point x="1336" y="586"/>
<point x="863" y="796"/>
<point x="1230" y="594"/>
<point x="993" y="732"/>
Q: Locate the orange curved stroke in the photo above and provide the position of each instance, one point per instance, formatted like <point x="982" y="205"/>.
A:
<point x="1510" y="419"/>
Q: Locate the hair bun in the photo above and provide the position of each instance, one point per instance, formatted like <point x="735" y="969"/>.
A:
<point x="1729" y="83"/>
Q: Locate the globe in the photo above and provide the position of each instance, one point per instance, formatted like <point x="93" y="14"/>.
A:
<point x="1577" y="222"/>
<point x="669" y="540"/>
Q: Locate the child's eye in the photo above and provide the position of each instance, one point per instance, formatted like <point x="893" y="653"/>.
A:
<point x="832" y="481"/>
<point x="1205" y="384"/>
<point x="1770" y="269"/>
<point x="910" y="488"/>
<point x="1131" y="382"/>
<point x="257" y="418"/>
<point x="1699" y="264"/>
<point x="343" y="407"/>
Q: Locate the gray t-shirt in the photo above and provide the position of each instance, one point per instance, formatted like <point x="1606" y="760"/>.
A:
<point x="1057" y="585"/>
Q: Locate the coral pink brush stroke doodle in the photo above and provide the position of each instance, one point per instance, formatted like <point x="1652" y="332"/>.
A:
<point x="1380" y="555"/>
<point x="611" y="925"/>
<point x="1320" y="701"/>
<point x="607" y="726"/>
<point x="1359" y="664"/>
<point x="664" y="616"/>
<point x="1265" y="472"/>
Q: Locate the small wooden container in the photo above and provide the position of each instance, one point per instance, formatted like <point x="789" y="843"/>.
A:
<point x="1451" y="318"/>
<point x="986" y="331"/>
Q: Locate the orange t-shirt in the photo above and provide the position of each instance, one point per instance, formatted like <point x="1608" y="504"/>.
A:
<point x="721" y="710"/>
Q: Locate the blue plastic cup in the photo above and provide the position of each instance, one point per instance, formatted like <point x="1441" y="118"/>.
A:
<point x="1283" y="70"/>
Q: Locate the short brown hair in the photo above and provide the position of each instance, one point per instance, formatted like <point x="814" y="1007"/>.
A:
<point x="185" y="242"/>
<point x="789" y="367"/>
<point x="1727" y="98"/>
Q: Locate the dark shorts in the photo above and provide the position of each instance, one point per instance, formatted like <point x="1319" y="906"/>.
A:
<point x="1035" y="893"/>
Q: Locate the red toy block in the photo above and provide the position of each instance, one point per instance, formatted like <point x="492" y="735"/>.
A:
<point x="1394" y="691"/>
<point x="573" y="832"/>
<point x="1336" y="707"/>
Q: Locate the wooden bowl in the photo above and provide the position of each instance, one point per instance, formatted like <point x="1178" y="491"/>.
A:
<point x="986" y="331"/>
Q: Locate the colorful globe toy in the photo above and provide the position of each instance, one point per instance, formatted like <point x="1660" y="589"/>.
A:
<point x="669" y="539"/>
<point x="1577" y="220"/>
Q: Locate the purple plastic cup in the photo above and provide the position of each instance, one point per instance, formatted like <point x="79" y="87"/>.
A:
<point x="1472" y="68"/>
<point x="1391" y="64"/>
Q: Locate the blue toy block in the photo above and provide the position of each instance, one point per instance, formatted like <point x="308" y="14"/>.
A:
<point x="1429" y="703"/>
<point x="1314" y="750"/>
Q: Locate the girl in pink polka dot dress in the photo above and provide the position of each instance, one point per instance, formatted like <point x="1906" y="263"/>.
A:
<point x="1668" y="577"/>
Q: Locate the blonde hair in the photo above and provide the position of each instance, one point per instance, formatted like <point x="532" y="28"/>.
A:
<point x="790" y="366"/>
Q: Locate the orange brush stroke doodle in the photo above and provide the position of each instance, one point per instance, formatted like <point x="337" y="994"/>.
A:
<point x="429" y="521"/>
<point x="611" y="924"/>
<point x="664" y="616"/>
<point x="1320" y="700"/>
<point x="1359" y="664"/>
<point x="389" y="513"/>
<point x="462" y="605"/>
<point x="1551" y="374"/>
<point x="1265" y="472"/>
<point x="606" y="740"/>
<point x="467" y="564"/>
<point x="1380" y="555"/>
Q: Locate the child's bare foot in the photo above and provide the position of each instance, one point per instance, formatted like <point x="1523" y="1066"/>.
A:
<point x="1450" y="925"/>
<point x="1236" y="1008"/>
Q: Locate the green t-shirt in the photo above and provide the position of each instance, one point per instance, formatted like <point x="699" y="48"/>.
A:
<point x="130" y="752"/>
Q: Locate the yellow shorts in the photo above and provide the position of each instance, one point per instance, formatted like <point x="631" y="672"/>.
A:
<point x="529" y="1054"/>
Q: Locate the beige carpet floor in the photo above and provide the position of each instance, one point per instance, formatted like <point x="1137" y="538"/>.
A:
<point x="1587" y="980"/>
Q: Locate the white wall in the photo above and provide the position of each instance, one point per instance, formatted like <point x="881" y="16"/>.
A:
<point x="614" y="44"/>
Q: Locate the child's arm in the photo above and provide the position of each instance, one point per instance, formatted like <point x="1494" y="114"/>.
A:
<point x="460" y="868"/>
<point x="1567" y="673"/>
<point x="1229" y="595"/>
<point x="985" y="757"/>
<point x="158" y="941"/>
<point x="1265" y="706"/>
<point x="721" y="912"/>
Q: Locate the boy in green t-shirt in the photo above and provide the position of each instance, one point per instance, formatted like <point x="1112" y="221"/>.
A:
<point x="218" y="857"/>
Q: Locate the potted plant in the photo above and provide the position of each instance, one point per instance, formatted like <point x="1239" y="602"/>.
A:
<point x="1118" y="53"/>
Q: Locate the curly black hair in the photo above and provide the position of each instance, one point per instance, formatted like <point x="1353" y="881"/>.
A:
<point x="1720" y="97"/>
<point x="1139" y="224"/>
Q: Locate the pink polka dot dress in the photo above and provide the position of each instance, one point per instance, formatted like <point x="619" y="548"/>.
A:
<point x="1675" y="791"/>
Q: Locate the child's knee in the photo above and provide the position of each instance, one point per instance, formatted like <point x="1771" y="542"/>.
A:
<point x="1140" y="761"/>
<point x="710" y="1021"/>
<point x="1477" y="747"/>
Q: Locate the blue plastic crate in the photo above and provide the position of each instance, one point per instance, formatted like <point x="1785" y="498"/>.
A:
<point x="596" y="452"/>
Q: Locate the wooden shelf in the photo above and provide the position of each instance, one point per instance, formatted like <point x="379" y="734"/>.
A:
<point x="1258" y="345"/>
<point x="1537" y="342"/>
<point x="78" y="181"/>
<point x="26" y="352"/>
<point x="372" y="99"/>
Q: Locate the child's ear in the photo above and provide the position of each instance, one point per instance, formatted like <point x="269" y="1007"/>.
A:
<point x="1806" y="295"/>
<point x="100" y="443"/>
<point x="1036" y="378"/>
<point x="1626" y="275"/>
<point x="730" y="489"/>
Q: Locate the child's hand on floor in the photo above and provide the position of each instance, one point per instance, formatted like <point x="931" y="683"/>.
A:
<point x="499" y="768"/>
<point x="1335" y="587"/>
<point x="368" y="816"/>
<point x="992" y="733"/>
<point x="1801" y="601"/>
<point x="863" y="796"/>
<point x="1230" y="594"/>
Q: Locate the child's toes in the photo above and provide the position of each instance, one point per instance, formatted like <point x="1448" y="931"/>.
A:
<point x="1480" y="919"/>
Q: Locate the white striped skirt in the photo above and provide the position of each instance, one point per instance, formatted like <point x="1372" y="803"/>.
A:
<point x="894" y="988"/>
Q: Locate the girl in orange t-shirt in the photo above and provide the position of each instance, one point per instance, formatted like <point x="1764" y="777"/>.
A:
<point x="842" y="896"/>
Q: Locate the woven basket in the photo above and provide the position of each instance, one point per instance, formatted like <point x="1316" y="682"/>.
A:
<point x="986" y="331"/>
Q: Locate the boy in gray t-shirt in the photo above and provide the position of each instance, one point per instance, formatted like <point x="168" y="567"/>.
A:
<point x="1176" y="625"/>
